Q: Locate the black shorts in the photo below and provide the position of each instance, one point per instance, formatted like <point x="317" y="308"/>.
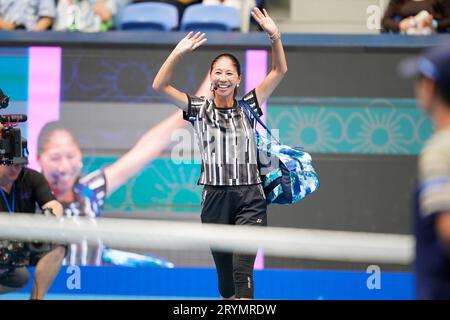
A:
<point x="237" y="205"/>
<point x="241" y="205"/>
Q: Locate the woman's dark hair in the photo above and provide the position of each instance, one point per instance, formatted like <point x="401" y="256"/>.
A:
<point x="48" y="130"/>
<point x="233" y="59"/>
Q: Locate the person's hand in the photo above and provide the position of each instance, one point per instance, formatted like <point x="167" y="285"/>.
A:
<point x="265" y="21"/>
<point x="426" y="23"/>
<point x="101" y="10"/>
<point x="406" y="23"/>
<point x="190" y="42"/>
<point x="6" y="25"/>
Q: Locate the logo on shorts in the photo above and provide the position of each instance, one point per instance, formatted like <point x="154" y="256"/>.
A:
<point x="259" y="221"/>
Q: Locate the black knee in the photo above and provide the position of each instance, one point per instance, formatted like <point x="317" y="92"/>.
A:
<point x="224" y="267"/>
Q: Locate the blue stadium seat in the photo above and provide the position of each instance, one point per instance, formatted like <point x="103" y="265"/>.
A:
<point x="200" y="17"/>
<point x="150" y="16"/>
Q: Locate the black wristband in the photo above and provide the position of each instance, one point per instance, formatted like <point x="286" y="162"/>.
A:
<point x="48" y="212"/>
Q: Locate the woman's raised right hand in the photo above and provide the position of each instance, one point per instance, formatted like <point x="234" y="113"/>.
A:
<point x="190" y="42"/>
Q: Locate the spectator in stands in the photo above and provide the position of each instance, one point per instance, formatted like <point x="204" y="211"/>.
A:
<point x="180" y="4"/>
<point x="35" y="15"/>
<point x="244" y="7"/>
<point x="417" y="16"/>
<point x="230" y="3"/>
<point x="85" y="15"/>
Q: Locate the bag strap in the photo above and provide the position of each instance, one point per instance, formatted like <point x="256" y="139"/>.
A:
<point x="246" y="108"/>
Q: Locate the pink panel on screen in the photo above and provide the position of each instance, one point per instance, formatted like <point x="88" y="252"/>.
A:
<point x="255" y="72"/>
<point x="44" y="78"/>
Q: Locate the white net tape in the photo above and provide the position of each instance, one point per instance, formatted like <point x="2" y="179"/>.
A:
<point x="151" y="234"/>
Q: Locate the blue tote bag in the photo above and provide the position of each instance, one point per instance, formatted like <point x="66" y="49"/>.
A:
<point x="287" y="173"/>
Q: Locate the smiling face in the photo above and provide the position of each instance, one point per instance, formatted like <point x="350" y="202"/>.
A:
<point x="225" y="76"/>
<point x="61" y="160"/>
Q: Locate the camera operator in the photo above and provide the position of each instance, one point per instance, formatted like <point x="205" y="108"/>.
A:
<point x="21" y="189"/>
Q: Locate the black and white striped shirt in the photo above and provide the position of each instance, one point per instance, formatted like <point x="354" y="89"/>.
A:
<point x="226" y="141"/>
<point x="90" y="194"/>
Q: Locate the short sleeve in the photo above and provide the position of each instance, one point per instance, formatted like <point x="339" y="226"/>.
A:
<point x="47" y="8"/>
<point x="251" y="99"/>
<point x="40" y="188"/>
<point x="194" y="106"/>
<point x="434" y="178"/>
<point x="93" y="187"/>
